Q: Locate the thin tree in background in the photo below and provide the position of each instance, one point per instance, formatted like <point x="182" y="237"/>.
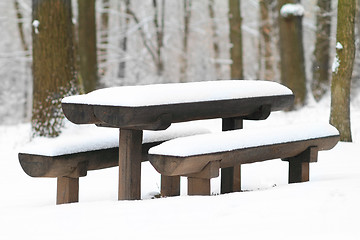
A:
<point x="26" y="49"/>
<point x="104" y="36"/>
<point x="87" y="45"/>
<point x="320" y="70"/>
<point x="266" y="58"/>
<point x="236" y="52"/>
<point x="124" y="25"/>
<point x="155" y="49"/>
<point x="53" y="64"/>
<point x="291" y="49"/>
<point x="185" y="40"/>
<point x="215" y="38"/>
<point x="342" y="69"/>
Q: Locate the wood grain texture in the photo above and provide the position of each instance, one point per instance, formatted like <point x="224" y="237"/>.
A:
<point x="130" y="164"/>
<point x="170" y="186"/>
<point x="161" y="116"/>
<point x="67" y="190"/>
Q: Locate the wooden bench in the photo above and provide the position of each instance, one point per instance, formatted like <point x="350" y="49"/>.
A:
<point x="68" y="158"/>
<point x="200" y="157"/>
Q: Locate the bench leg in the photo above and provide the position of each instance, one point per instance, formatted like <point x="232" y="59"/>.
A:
<point x="170" y="186"/>
<point x="198" y="186"/>
<point x="130" y="147"/>
<point x="299" y="170"/>
<point x="231" y="177"/>
<point x="67" y="190"/>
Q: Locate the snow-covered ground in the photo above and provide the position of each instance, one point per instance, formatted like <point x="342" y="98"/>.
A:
<point x="327" y="207"/>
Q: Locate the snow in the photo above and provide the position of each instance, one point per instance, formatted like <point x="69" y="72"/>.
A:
<point x="339" y="45"/>
<point x="239" y="139"/>
<point x="160" y="94"/>
<point x="336" y="64"/>
<point x="81" y="138"/>
<point x="291" y="9"/>
<point x="36" y="24"/>
<point x="326" y="207"/>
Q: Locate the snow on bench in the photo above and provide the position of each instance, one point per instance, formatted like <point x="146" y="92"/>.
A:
<point x="70" y="156"/>
<point x="199" y="157"/>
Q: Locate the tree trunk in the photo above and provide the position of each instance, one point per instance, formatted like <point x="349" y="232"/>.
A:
<point x="53" y="64"/>
<point x="124" y="25"/>
<point x="342" y="69"/>
<point x="185" y="40"/>
<point x="87" y="45"/>
<point x="236" y="40"/>
<point x="215" y="38"/>
<point x="292" y="52"/>
<point x="104" y="36"/>
<point x="266" y="53"/>
<point x="321" y="78"/>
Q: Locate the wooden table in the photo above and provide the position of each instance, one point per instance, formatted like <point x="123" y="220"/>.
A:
<point x="133" y="109"/>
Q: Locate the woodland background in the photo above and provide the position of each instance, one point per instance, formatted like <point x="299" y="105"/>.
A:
<point x="207" y="55"/>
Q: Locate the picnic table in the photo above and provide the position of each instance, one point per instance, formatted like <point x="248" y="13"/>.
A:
<point x="133" y="109"/>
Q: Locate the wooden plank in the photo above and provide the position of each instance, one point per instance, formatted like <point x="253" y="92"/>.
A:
<point x="160" y="116"/>
<point x="198" y="186"/>
<point x="130" y="145"/>
<point x="231" y="176"/>
<point x="67" y="190"/>
<point x="298" y="172"/>
<point x="170" y="186"/>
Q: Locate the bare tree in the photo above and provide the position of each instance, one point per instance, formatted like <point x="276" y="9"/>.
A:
<point x="104" y="36"/>
<point x="321" y="79"/>
<point x="342" y="69"/>
<point x="124" y="25"/>
<point x="185" y="40"/>
<point x="215" y="38"/>
<point x="291" y="49"/>
<point x="87" y="45"/>
<point x="154" y="49"/>
<point x="236" y="51"/>
<point x="53" y="64"/>
<point x="265" y="43"/>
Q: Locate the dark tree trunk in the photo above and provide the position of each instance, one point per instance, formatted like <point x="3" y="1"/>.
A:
<point x="53" y="64"/>
<point x="236" y="39"/>
<point x="185" y="40"/>
<point x="265" y="49"/>
<point x="87" y="45"/>
<point x="321" y="77"/>
<point x="292" y="54"/>
<point x="342" y="69"/>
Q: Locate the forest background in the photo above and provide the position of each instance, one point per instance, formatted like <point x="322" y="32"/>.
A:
<point x="127" y="42"/>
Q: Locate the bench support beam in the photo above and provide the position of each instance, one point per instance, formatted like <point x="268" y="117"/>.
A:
<point x="231" y="177"/>
<point x="67" y="190"/>
<point x="199" y="183"/>
<point x="130" y="148"/>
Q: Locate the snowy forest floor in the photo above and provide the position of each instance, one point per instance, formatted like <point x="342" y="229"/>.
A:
<point x="328" y="206"/>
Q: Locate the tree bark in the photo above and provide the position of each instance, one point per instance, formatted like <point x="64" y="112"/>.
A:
<point x="215" y="38"/>
<point x="53" y="64"/>
<point x="265" y="49"/>
<point x="321" y="78"/>
<point x="342" y="69"/>
<point x="124" y="24"/>
<point x="185" y="40"/>
<point x="236" y="51"/>
<point x="87" y="45"/>
<point x="104" y="36"/>
<point x="292" y="54"/>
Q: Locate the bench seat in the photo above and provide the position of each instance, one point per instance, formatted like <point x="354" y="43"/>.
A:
<point x="70" y="156"/>
<point x="201" y="156"/>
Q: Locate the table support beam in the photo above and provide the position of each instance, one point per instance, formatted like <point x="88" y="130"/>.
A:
<point x="231" y="177"/>
<point x="130" y="146"/>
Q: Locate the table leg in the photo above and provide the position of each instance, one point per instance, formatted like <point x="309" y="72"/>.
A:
<point x="231" y="177"/>
<point x="130" y="144"/>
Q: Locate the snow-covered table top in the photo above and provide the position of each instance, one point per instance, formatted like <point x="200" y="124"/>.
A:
<point x="155" y="107"/>
<point x="174" y="93"/>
